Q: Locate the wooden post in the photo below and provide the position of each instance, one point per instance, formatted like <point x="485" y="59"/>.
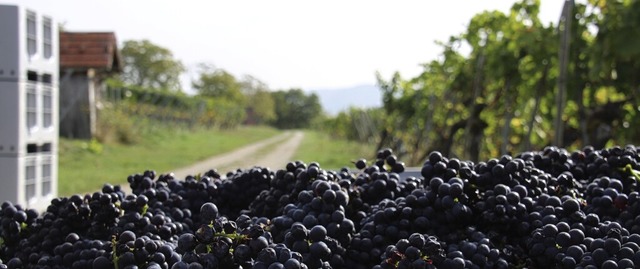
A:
<point x="477" y="88"/>
<point x="564" y="27"/>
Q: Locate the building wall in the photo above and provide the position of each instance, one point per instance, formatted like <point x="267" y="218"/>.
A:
<point x="75" y="106"/>
<point x="80" y="99"/>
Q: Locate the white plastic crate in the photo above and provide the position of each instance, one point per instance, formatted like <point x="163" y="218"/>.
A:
<point x="29" y="64"/>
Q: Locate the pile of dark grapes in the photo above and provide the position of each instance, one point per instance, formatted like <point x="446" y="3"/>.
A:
<point x="547" y="209"/>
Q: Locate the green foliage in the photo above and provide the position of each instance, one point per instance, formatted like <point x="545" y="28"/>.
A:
<point x="176" y="107"/>
<point x="332" y="153"/>
<point x="355" y="124"/>
<point x="260" y="104"/>
<point x="222" y="113"/>
<point x="500" y="98"/>
<point x="161" y="147"/>
<point x="225" y="101"/>
<point x="261" y="108"/>
<point x="93" y="146"/>
<point x="150" y="87"/>
<point x="117" y="91"/>
<point x="150" y="66"/>
<point x="116" y="126"/>
<point x="295" y="109"/>
<point x="218" y="84"/>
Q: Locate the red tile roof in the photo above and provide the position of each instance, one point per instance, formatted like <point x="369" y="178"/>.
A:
<point x="90" y="50"/>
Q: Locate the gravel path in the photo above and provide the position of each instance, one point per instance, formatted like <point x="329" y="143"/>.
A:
<point x="274" y="152"/>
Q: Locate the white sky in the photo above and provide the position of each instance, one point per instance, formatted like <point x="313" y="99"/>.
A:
<point x="306" y="44"/>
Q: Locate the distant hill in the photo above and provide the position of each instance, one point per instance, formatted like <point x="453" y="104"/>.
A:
<point x="334" y="101"/>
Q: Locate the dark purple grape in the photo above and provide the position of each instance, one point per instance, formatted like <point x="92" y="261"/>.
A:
<point x="208" y="212"/>
<point x="361" y="164"/>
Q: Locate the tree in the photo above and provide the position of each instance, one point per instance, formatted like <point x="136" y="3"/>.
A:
<point x="616" y="64"/>
<point x="260" y="103"/>
<point x="483" y="97"/>
<point x="225" y="101"/>
<point x="150" y="66"/>
<point x="295" y="109"/>
<point x="500" y="98"/>
<point x="219" y="84"/>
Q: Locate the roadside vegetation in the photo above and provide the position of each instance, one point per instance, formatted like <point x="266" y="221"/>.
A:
<point x="330" y="152"/>
<point x="84" y="166"/>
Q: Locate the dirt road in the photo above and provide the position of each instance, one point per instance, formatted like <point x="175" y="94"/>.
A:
<point x="274" y="153"/>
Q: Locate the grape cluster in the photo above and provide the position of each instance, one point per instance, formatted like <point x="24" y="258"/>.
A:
<point x="240" y="189"/>
<point x="552" y="208"/>
<point x="380" y="180"/>
<point x="417" y="251"/>
<point x="316" y="225"/>
<point x="318" y="249"/>
<point x="284" y="188"/>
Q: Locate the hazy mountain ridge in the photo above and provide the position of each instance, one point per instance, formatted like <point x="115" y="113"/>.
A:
<point x="334" y="101"/>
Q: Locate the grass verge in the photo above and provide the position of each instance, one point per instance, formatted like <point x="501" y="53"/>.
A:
<point x="84" y="166"/>
<point x="331" y="153"/>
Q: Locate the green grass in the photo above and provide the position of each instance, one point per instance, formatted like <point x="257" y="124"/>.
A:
<point x="331" y="153"/>
<point x="85" y="166"/>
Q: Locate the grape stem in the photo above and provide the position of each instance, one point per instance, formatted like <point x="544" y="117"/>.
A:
<point x="114" y="254"/>
<point x="232" y="236"/>
<point x="635" y="173"/>
<point x="144" y="209"/>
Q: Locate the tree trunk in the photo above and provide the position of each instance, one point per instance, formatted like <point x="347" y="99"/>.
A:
<point x="542" y="83"/>
<point x="508" y="116"/>
<point x="448" y="143"/>
<point x="477" y="131"/>
<point x="384" y="136"/>
<point x="582" y="117"/>
<point x="451" y="98"/>
<point x="422" y="135"/>
<point x="563" y="54"/>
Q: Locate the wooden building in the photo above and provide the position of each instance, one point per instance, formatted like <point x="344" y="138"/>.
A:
<point x="86" y="60"/>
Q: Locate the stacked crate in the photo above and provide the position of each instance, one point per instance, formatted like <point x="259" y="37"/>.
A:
<point x="29" y="65"/>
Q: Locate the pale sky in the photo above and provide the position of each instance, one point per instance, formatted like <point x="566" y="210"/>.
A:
<point x="305" y="44"/>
